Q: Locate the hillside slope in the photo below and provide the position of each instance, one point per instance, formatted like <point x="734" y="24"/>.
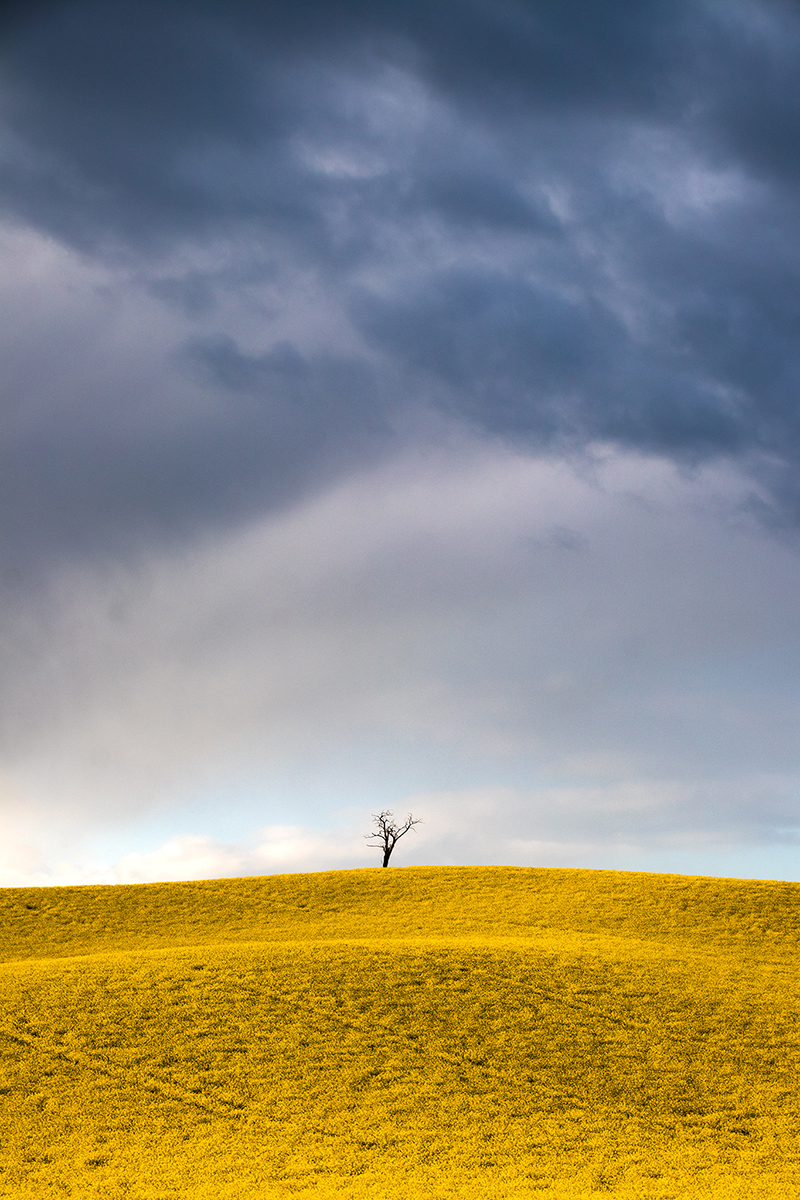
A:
<point x="395" y="904"/>
<point x="481" y="1032"/>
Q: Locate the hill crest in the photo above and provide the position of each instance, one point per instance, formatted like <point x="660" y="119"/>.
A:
<point x="397" y="904"/>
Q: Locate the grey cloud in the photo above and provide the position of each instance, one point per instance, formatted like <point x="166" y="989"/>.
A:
<point x="473" y="198"/>
<point x="112" y="103"/>
<point x="500" y="203"/>
<point x="533" y="624"/>
<point x="196" y="292"/>
<point x="752" y="95"/>
<point x="285" y="426"/>
<point x="521" y="360"/>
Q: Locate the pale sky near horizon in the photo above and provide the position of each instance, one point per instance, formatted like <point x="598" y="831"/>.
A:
<point x="401" y="409"/>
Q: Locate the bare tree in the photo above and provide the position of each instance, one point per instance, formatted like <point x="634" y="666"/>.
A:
<point x="388" y="832"/>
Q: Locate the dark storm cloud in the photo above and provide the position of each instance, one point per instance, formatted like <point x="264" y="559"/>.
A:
<point x="287" y="426"/>
<point x="558" y="221"/>
<point x="521" y="361"/>
<point x="107" y="99"/>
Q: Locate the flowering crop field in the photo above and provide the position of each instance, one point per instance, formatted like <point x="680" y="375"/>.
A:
<point x="421" y="1032"/>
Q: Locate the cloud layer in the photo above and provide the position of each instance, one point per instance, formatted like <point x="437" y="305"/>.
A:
<point x="415" y="380"/>
<point x="556" y="224"/>
<point x="611" y="645"/>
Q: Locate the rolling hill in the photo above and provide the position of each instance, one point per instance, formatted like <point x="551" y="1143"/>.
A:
<point x="428" y="1031"/>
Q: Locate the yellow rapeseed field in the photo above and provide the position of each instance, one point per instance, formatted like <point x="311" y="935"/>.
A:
<point x="422" y="1032"/>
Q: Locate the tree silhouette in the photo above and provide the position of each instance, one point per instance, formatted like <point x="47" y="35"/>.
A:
<point x="388" y="832"/>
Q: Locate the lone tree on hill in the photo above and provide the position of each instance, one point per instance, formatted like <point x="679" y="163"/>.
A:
<point x="388" y="832"/>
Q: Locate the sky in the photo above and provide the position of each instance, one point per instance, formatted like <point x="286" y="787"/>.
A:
<point x="400" y="410"/>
